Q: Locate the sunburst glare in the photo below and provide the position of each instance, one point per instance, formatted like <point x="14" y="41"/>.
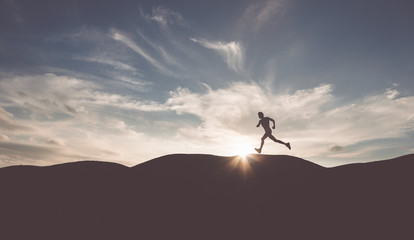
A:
<point x="242" y="162"/>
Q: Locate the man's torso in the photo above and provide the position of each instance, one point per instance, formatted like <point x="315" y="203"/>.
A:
<point x="265" y="123"/>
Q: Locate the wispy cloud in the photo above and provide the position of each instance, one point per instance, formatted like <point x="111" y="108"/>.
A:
<point x="128" y="75"/>
<point x="48" y="94"/>
<point x="118" y="36"/>
<point x="81" y="35"/>
<point x="261" y="13"/>
<point x="232" y="52"/>
<point x="164" y="16"/>
<point x="7" y="124"/>
<point x="166" y="56"/>
<point x="18" y="153"/>
<point x="115" y="64"/>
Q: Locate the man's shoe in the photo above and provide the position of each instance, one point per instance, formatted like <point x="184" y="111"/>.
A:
<point x="258" y="150"/>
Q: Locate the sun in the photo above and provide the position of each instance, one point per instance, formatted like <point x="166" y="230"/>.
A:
<point x="242" y="151"/>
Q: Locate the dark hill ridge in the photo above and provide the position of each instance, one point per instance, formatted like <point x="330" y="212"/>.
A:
<point x="209" y="197"/>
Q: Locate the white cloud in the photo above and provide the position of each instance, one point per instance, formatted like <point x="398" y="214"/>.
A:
<point x="391" y="93"/>
<point x="261" y="13"/>
<point x="242" y="100"/>
<point x="232" y="52"/>
<point x="69" y="119"/>
<point x="233" y="111"/>
<point x="308" y="118"/>
<point x="46" y="94"/>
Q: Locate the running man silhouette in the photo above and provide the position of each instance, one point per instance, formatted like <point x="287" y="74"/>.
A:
<point x="264" y="121"/>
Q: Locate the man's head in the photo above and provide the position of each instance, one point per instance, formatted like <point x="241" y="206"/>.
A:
<point x="260" y="115"/>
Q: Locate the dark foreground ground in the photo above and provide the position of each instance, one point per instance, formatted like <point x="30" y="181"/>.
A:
<point x="209" y="197"/>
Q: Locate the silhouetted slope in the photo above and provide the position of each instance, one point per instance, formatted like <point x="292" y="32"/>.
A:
<point x="209" y="197"/>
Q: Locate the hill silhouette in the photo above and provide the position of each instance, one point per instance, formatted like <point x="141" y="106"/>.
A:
<point x="209" y="197"/>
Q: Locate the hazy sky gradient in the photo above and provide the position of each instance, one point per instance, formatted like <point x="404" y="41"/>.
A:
<point x="127" y="81"/>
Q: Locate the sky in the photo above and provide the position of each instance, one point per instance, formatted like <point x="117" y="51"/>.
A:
<point x="127" y="81"/>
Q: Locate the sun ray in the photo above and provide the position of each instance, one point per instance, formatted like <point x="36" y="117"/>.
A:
<point x="242" y="163"/>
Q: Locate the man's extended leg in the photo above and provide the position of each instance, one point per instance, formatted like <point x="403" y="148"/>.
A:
<point x="259" y="150"/>
<point x="279" y="141"/>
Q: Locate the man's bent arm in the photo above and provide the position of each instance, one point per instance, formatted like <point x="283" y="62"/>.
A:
<point x="273" y="122"/>
<point x="258" y="124"/>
